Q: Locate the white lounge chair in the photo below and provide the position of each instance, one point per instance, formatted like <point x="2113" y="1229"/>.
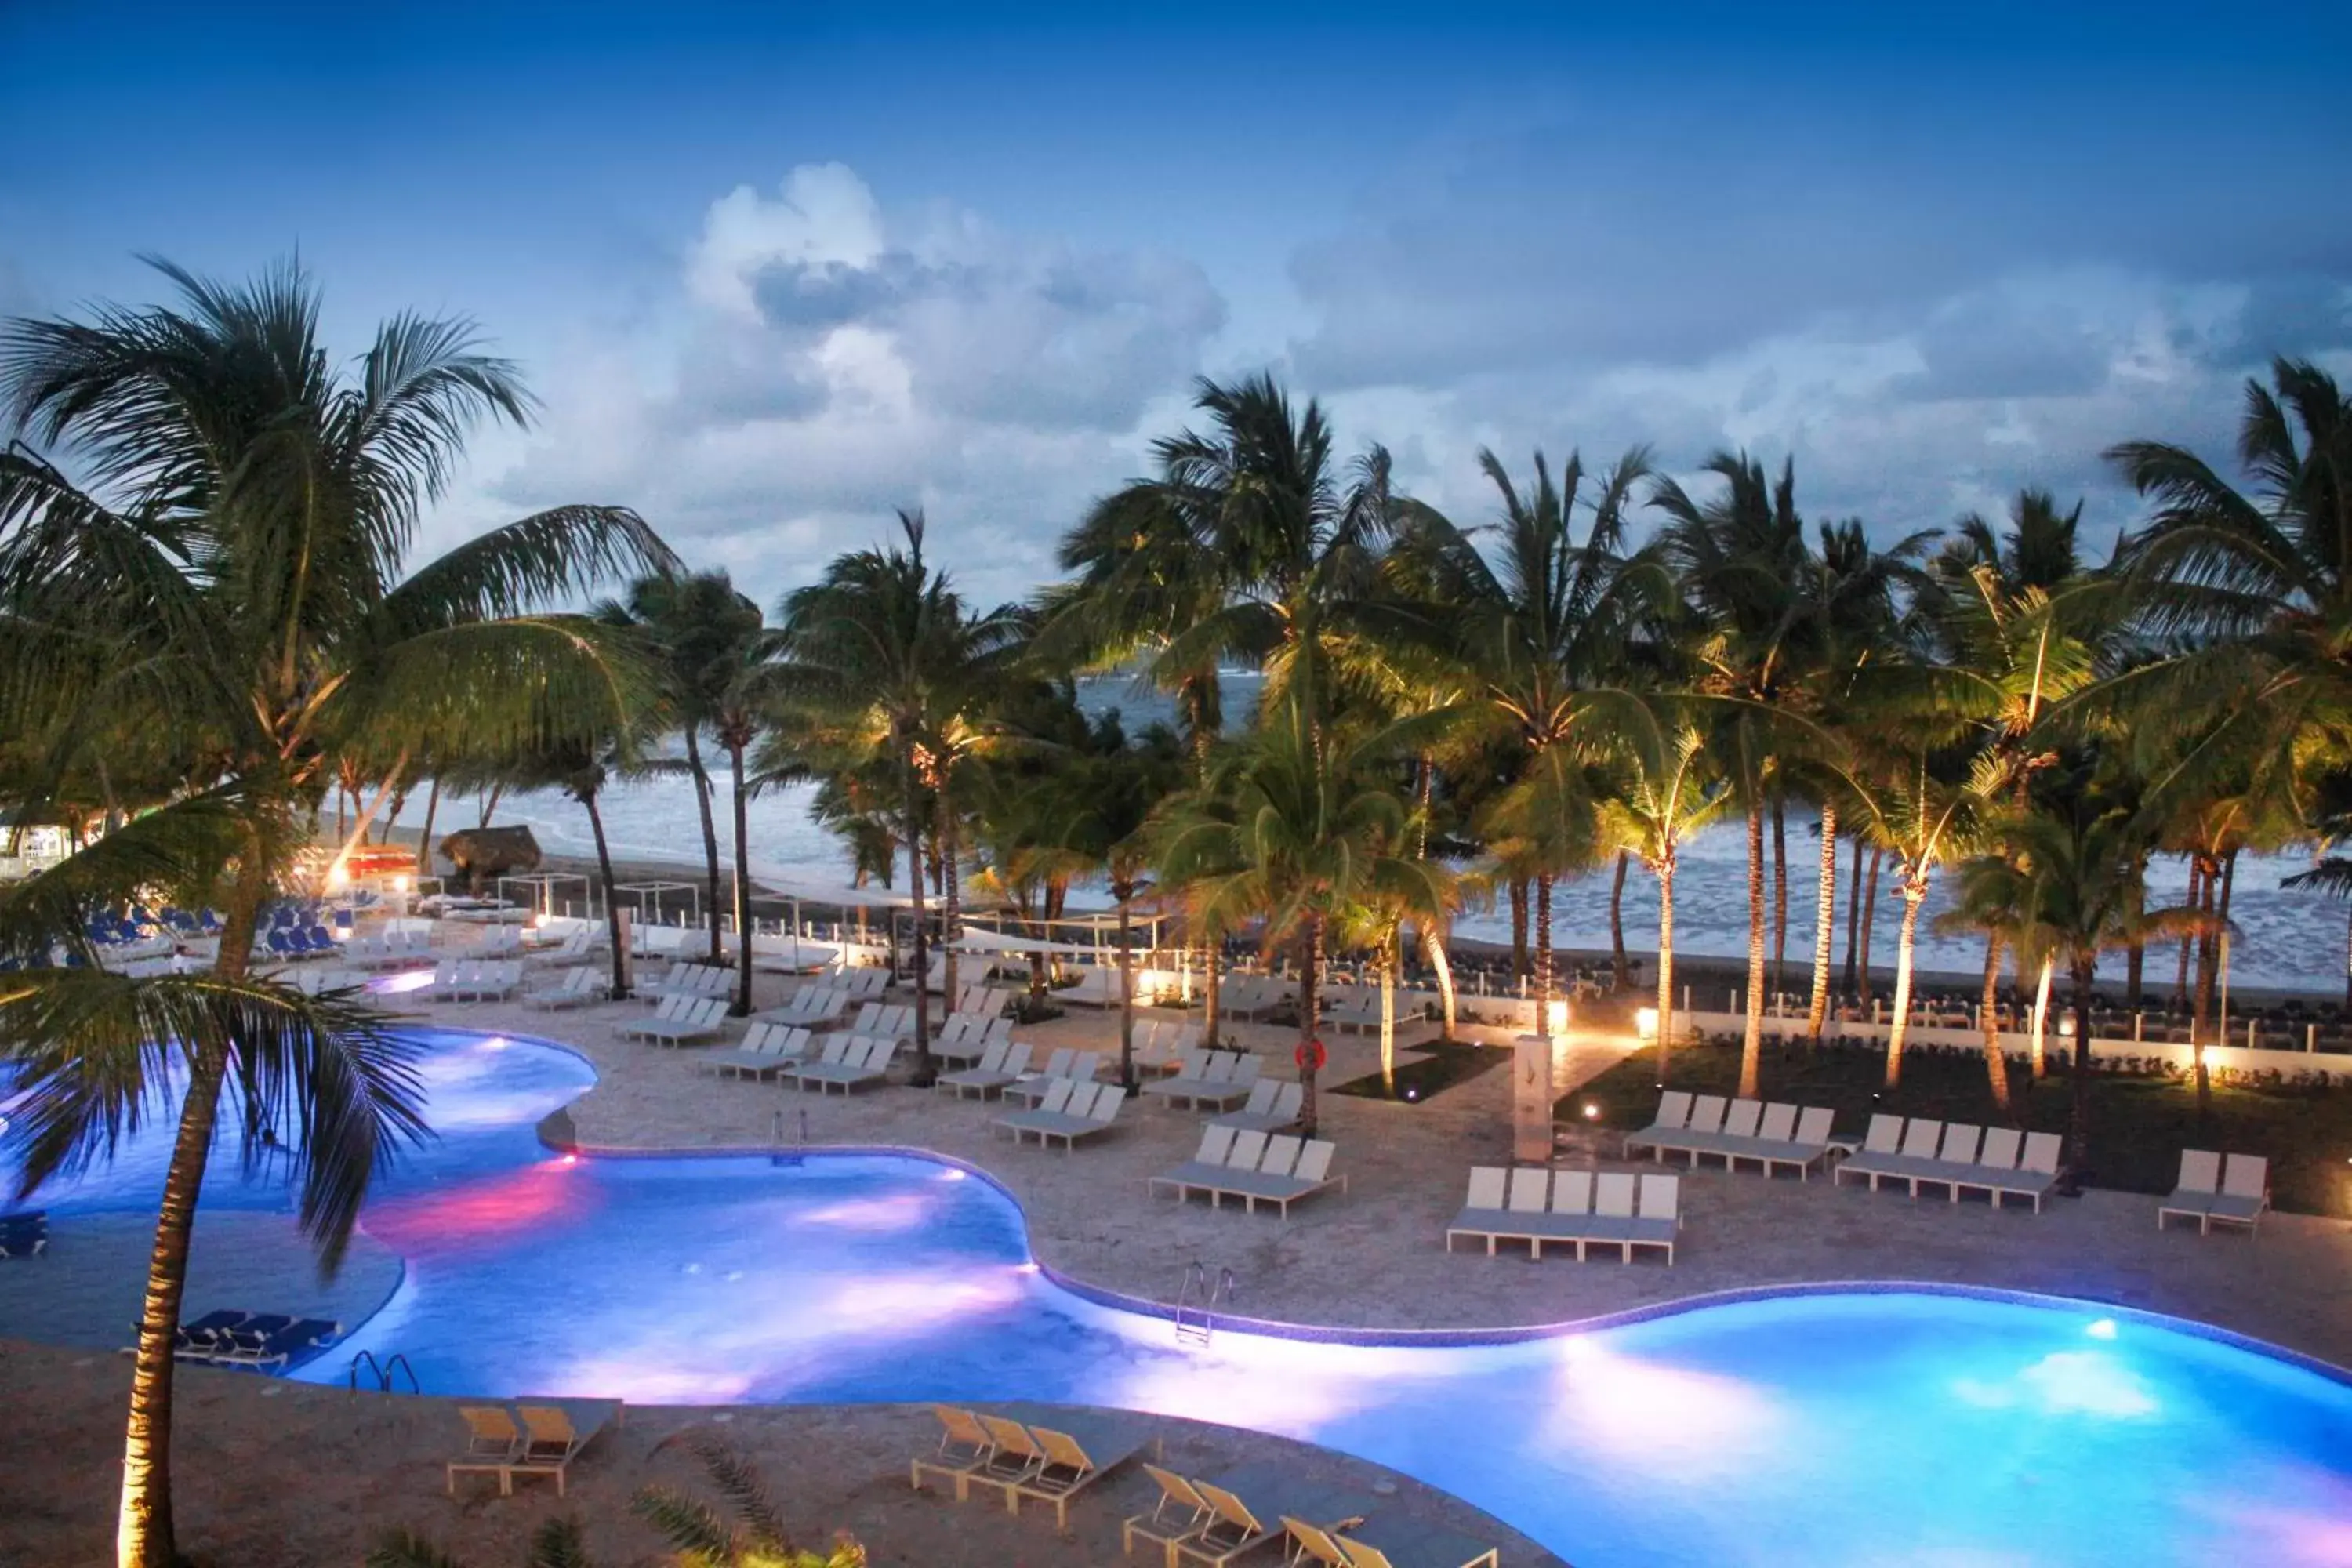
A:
<point x="577" y="988"/>
<point x="1272" y="1106"/>
<point x="1087" y="1111"/>
<point x="1001" y="1066"/>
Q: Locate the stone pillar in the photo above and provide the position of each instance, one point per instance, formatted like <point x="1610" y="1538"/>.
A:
<point x="1531" y="1098"/>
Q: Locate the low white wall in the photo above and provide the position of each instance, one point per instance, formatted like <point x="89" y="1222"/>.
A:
<point x="2235" y="1059"/>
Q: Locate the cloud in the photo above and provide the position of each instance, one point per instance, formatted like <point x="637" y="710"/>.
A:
<point x="826" y="361"/>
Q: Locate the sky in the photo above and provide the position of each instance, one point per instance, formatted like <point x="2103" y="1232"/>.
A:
<point x="776" y="270"/>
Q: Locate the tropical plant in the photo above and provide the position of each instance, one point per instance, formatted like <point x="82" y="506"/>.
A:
<point x="880" y="662"/>
<point x="712" y="642"/>
<point x="227" y="574"/>
<point x="1532" y="631"/>
<point x="1301" y="824"/>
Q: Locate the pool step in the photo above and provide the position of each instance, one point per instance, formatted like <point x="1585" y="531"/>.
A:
<point x="1196" y="1321"/>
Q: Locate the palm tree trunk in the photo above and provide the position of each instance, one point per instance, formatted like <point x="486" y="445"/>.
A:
<point x="1621" y="972"/>
<point x="1211" y="987"/>
<point x="2180" y="969"/>
<point x="2134" y="968"/>
<point x="1989" y="1020"/>
<point x="2348" y="961"/>
<point x="925" y="1072"/>
<point x="2221" y="927"/>
<point x="1869" y="918"/>
<point x="1852" y="915"/>
<point x="1915" y="893"/>
<point x="1388" y="1016"/>
<point x="489" y="803"/>
<point x="1311" y="960"/>
<point x="742" y="888"/>
<point x="950" y="917"/>
<point x="1518" y="929"/>
<point x="145" y="1537"/>
<point x="1543" y="954"/>
<point x="1432" y="943"/>
<point x="2078" y="1128"/>
<point x="425" y="839"/>
<point x="620" y="989"/>
<point x="1123" y="892"/>
<point x="1817" y="1011"/>
<point x="1666" y="966"/>
<point x="357" y="836"/>
<point x="1751" y="1044"/>
<point x="709" y="835"/>
<point x="1780" y="896"/>
<point x="2208" y="961"/>
<point x="2038" y="1040"/>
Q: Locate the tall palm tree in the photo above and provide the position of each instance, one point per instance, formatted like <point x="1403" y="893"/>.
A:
<point x="227" y="573"/>
<point x="1533" y="629"/>
<point x="711" y="642"/>
<point x="1662" y="787"/>
<point x="1747" y="575"/>
<point x="879" y="661"/>
<point x="1301" y="824"/>
<point x="1122" y="782"/>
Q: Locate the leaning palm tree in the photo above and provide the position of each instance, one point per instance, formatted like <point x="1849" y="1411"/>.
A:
<point x="226" y="574"/>
<point x="1300" y="824"/>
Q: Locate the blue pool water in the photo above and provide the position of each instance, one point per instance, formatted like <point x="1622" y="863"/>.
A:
<point x="1863" y="1428"/>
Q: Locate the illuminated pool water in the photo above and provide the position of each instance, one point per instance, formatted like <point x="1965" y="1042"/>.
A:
<point x="1862" y="1428"/>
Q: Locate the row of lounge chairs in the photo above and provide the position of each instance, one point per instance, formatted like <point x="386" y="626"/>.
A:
<point x="1215" y="1519"/>
<point x="966" y="1037"/>
<point x="529" y="1437"/>
<point x="1731" y="1130"/>
<point x="679" y="1021"/>
<point x="1254" y="996"/>
<point x="2211" y="1195"/>
<point x="25" y="1234"/>
<point x="1959" y="1157"/>
<point x="1272" y="1106"/>
<point x="691" y="980"/>
<point x="848" y="1063"/>
<point x="1069" y="1110"/>
<point x="1581" y="1208"/>
<point x="1026" y="1458"/>
<point x="767" y="1048"/>
<point x="999" y="1067"/>
<point x="475" y="980"/>
<point x="576" y="989"/>
<point x="1219" y="1079"/>
<point x="397" y="948"/>
<point x="259" y="1340"/>
<point x="983" y="1001"/>
<point x="1067" y="1064"/>
<point x="813" y="1007"/>
<point x="1254" y="1168"/>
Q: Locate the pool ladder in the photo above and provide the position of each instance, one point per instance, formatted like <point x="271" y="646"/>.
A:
<point x="789" y="1154"/>
<point x="1196" y="1321"/>
<point x="384" y="1372"/>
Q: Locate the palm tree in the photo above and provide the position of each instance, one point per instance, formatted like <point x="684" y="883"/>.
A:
<point x="1745" y="573"/>
<point x="1532" y="632"/>
<point x="227" y="574"/>
<point x="711" y="641"/>
<point x="879" y="661"/>
<point x="1301" y="824"/>
<point x="1662" y="787"/>
<point x="1122" y="782"/>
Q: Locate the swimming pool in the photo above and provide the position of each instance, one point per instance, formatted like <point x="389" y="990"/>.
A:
<point x="1880" y="1428"/>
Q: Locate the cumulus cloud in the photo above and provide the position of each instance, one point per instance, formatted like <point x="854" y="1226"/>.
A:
<point x="828" y="360"/>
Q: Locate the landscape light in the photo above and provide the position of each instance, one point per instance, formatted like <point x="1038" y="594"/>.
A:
<point x="1646" y="1023"/>
<point x="1591" y="1111"/>
<point x="2105" y="1328"/>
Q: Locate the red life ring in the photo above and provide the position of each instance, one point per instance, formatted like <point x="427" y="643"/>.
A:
<point x="1310" y="1056"/>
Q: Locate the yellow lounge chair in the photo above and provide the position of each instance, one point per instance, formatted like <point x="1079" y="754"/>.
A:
<point x="1014" y="1456"/>
<point x="1066" y="1469"/>
<point x="1395" y="1541"/>
<point x="493" y="1442"/>
<point x="1233" y="1531"/>
<point x="1315" y="1542"/>
<point x="964" y="1448"/>
<point x="553" y="1437"/>
<point x="1168" y="1522"/>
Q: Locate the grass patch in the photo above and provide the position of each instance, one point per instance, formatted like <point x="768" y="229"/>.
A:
<point x="2138" y="1125"/>
<point x="1445" y="1065"/>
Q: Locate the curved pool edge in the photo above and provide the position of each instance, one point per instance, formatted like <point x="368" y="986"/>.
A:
<point x="1518" y="1333"/>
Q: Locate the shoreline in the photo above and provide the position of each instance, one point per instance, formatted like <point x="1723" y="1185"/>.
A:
<point x="1727" y="972"/>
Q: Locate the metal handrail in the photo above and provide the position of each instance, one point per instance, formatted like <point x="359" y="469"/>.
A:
<point x="382" y="1370"/>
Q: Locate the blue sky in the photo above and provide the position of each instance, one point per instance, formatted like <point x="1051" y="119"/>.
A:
<point x="777" y="269"/>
